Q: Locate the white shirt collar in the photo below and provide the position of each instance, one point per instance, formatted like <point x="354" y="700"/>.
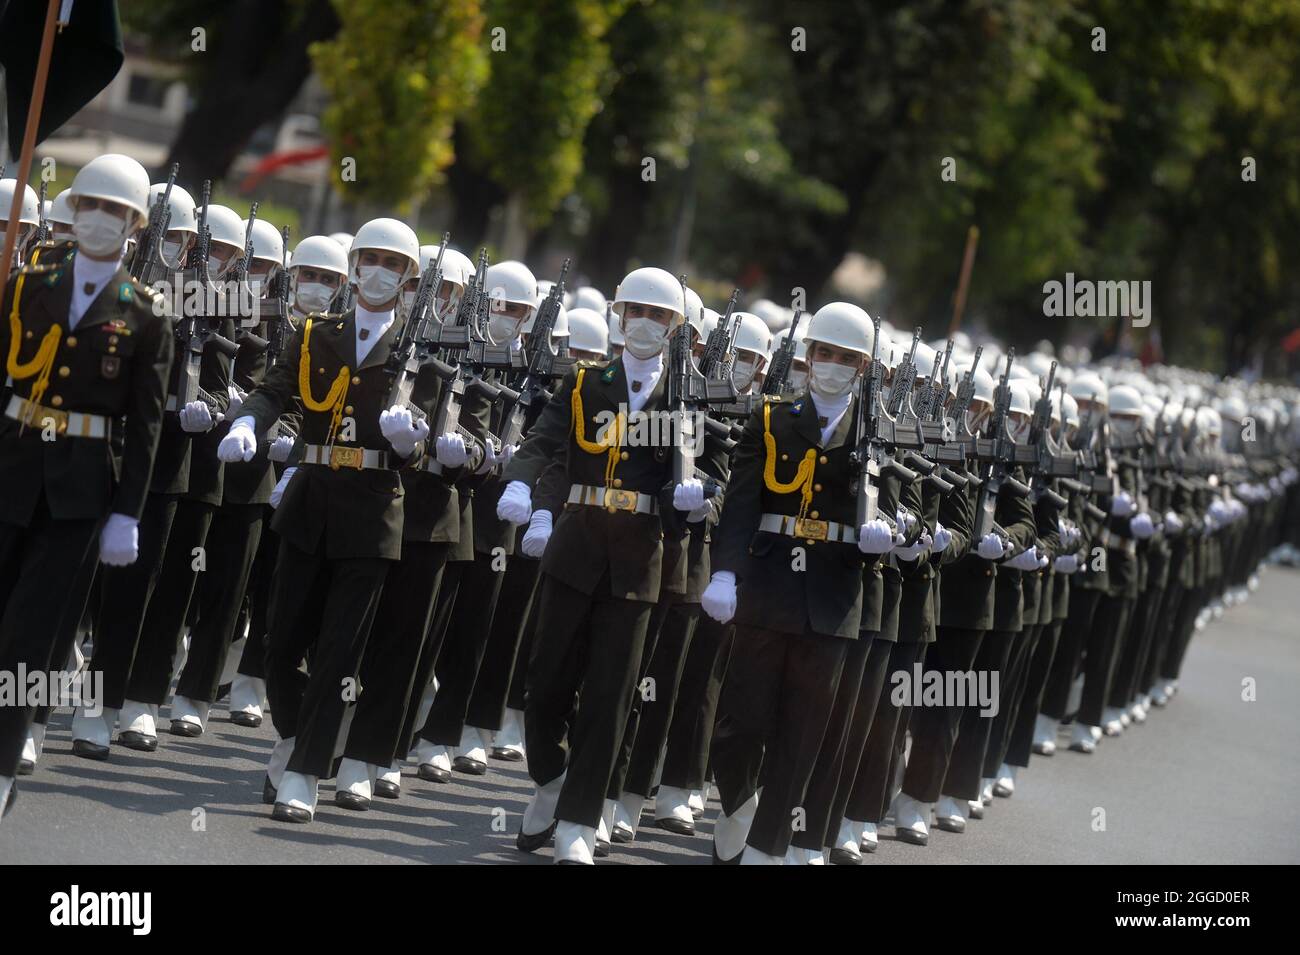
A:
<point x="374" y="324"/>
<point x="832" y="409"/>
<point x="92" y="273"/>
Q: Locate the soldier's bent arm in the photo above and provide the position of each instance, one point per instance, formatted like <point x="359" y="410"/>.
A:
<point x="548" y="438"/>
<point x="150" y="369"/>
<point x="744" y="505"/>
<point x="277" y="391"/>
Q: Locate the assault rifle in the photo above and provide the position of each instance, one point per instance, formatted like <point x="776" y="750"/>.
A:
<point x="1000" y="454"/>
<point x="778" y="375"/>
<point x="148" y="250"/>
<point x="194" y="333"/>
<point x="872" y="457"/>
<point x="544" y="365"/>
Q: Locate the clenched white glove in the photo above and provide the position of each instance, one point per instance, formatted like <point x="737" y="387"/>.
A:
<point x="450" y="450"/>
<point x="236" y="402"/>
<point x="1173" y="523"/>
<point x="240" y="444"/>
<point x="719" y="598"/>
<point x="1121" y="505"/>
<point x="990" y="547"/>
<point x="490" y="458"/>
<point x="538" y="533"/>
<point x="119" y="541"/>
<point x="516" y="504"/>
<point x="875" y="537"/>
<point x="1067" y="564"/>
<point x="507" y="454"/>
<point x="196" y="417"/>
<point x="905" y="520"/>
<point x="280" y="448"/>
<point x="923" y="543"/>
<point x="401" y="431"/>
<point x="278" y="492"/>
<point x="1025" y="560"/>
<point x="942" y="538"/>
<point x="689" y="495"/>
<point x="1141" y="526"/>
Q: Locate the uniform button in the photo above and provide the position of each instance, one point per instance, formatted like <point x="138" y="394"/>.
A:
<point x="28" y="334"/>
<point x="988" y="572"/>
<point x="57" y="401"/>
<point x="817" y="487"/>
<point x="624" y="456"/>
<point x="356" y="380"/>
<point x="72" y="341"/>
<point x="112" y="349"/>
<point x="347" y="410"/>
<point x="822" y="459"/>
<point x="65" y="371"/>
<point x="813" y="515"/>
<point x="112" y="339"/>
<point x="618" y="482"/>
<point x="320" y="371"/>
<point x="784" y="457"/>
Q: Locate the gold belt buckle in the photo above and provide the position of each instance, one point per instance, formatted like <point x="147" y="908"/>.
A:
<point x="617" y="500"/>
<point x="44" y="415"/>
<point x="346" y="457"/>
<point x="810" y="529"/>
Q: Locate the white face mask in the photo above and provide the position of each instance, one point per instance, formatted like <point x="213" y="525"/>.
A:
<point x="742" y="372"/>
<point x="408" y="299"/>
<point x="170" y="252"/>
<point x="215" y="265"/>
<point x="831" y="379"/>
<point x="797" y="380"/>
<point x="99" y="232"/>
<point x="376" y="284"/>
<point x="502" y="328"/>
<point x="1124" y="427"/>
<point x="644" y="337"/>
<point x="313" y="296"/>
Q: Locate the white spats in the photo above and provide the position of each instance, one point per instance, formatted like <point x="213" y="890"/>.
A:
<point x="575" y="844"/>
<point x="280" y="754"/>
<point x="731" y="831"/>
<point x="541" y="809"/>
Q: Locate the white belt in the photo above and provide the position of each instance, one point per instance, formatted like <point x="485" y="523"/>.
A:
<point x="808" y="528"/>
<point x="173" y="403"/>
<point x="70" y="424"/>
<point x="337" y="456"/>
<point x="613" y="499"/>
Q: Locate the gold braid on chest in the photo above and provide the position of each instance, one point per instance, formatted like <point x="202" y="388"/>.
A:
<point x="337" y="395"/>
<point x="803" y="477"/>
<point x="610" y="445"/>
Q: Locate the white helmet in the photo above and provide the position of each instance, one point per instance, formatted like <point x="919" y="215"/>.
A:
<point x="705" y="322"/>
<point x="320" y="252"/>
<point x="650" y="286"/>
<point x="1208" y="421"/>
<point x="1125" y="400"/>
<point x="616" y="330"/>
<point x="387" y="235"/>
<point x="268" y="244"/>
<point x="1022" y="399"/>
<point x="116" y="178"/>
<point x="29" y="212"/>
<point x="511" y="282"/>
<point x="752" y="334"/>
<point x="983" y="384"/>
<point x="588" y="331"/>
<point x="456" y="266"/>
<point x="771" y="314"/>
<point x="1086" y="384"/>
<point x="1233" y="407"/>
<point x="925" y="356"/>
<point x="1036" y="363"/>
<point x="588" y="297"/>
<point x="694" y="307"/>
<point x="61" y="209"/>
<point x="181" y="203"/>
<point x="224" y="225"/>
<point x="342" y="238"/>
<point x="845" y="326"/>
<point x="559" y="330"/>
<point x="1066" y="409"/>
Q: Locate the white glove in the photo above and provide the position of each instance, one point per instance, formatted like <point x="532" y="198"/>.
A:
<point x="516" y="503"/>
<point x="507" y="454"/>
<point x="450" y="450"/>
<point x="119" y="541"/>
<point x="1025" y="560"/>
<point x="689" y="495"/>
<point x="1121" y="505"/>
<point x="236" y="402"/>
<point x="397" y="426"/>
<point x="990" y="547"/>
<point x="538" y="533"/>
<point x="923" y="543"/>
<point x="1067" y="564"/>
<point x="1218" y="512"/>
<point x="280" y="448"/>
<point x="1069" y="535"/>
<point x="1173" y="523"/>
<point x="942" y="538"/>
<point x="1141" y="526"/>
<point x="905" y="520"/>
<point x="278" y="492"/>
<point x="719" y="598"/>
<point x="240" y="444"/>
<point x="875" y="537"/>
<point x="490" y="458"/>
<point x="196" y="417"/>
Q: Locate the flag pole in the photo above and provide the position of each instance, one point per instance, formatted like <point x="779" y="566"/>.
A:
<point x="963" y="282"/>
<point x="29" y="141"/>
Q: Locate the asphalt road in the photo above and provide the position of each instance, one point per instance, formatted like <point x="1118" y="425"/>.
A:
<point x="1209" y="779"/>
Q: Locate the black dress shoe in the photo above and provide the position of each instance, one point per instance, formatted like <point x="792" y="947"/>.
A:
<point x="88" y="750"/>
<point x="268" y="792"/>
<point x="677" y="826"/>
<point x="433" y="774"/>
<point x="976" y="812"/>
<point x="474" y="767"/>
<point x="718" y="860"/>
<point x="250" y="720"/>
<point x="283" y="812"/>
<point x="948" y="824"/>
<point x="347" y="800"/>
<point x="26" y="767"/>
<point x="138" y="741"/>
<point x="869" y="846"/>
<point x="602" y="849"/>
<point x="845" y="857"/>
<point x="913" y="837"/>
<point x="527" y="843"/>
<point x="186" y="728"/>
<point x="386" y="789"/>
<point x="507" y="755"/>
<point x="622" y="836"/>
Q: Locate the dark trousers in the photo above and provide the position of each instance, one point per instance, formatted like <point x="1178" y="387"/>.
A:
<point x="880" y="737"/>
<point x="690" y="735"/>
<point x="256" y="608"/>
<point x="443" y="605"/>
<point x="74" y="623"/>
<point x="1163" y="625"/>
<point x="618" y="774"/>
<point x="36" y="562"/>
<point x="462" y="652"/>
<point x="772" y="717"/>
<point x="233" y="541"/>
<point x="934" y="728"/>
<point x="589" y="645"/>
<point x="1040" y="667"/>
<point x="125" y="594"/>
<point x="391" y="661"/>
<point x="667" y="666"/>
<point x="1185" y="625"/>
<point x="487" y="704"/>
<point x="519" y="672"/>
<point x="1069" y="650"/>
<point x="322" y="607"/>
<point x="858" y="691"/>
<point x="1014" y="682"/>
<point x="1141" y="631"/>
<point x="164" y="620"/>
<point x="974" y="733"/>
<point x="1104" y="644"/>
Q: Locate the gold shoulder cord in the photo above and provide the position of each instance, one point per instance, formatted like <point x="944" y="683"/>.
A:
<point x="334" y="399"/>
<point x="803" y="478"/>
<point x="42" y="363"/>
<point x="612" y="444"/>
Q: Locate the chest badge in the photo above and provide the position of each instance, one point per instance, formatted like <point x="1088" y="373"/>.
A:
<point x="608" y="374"/>
<point x="125" y="293"/>
<point x="110" y="366"/>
